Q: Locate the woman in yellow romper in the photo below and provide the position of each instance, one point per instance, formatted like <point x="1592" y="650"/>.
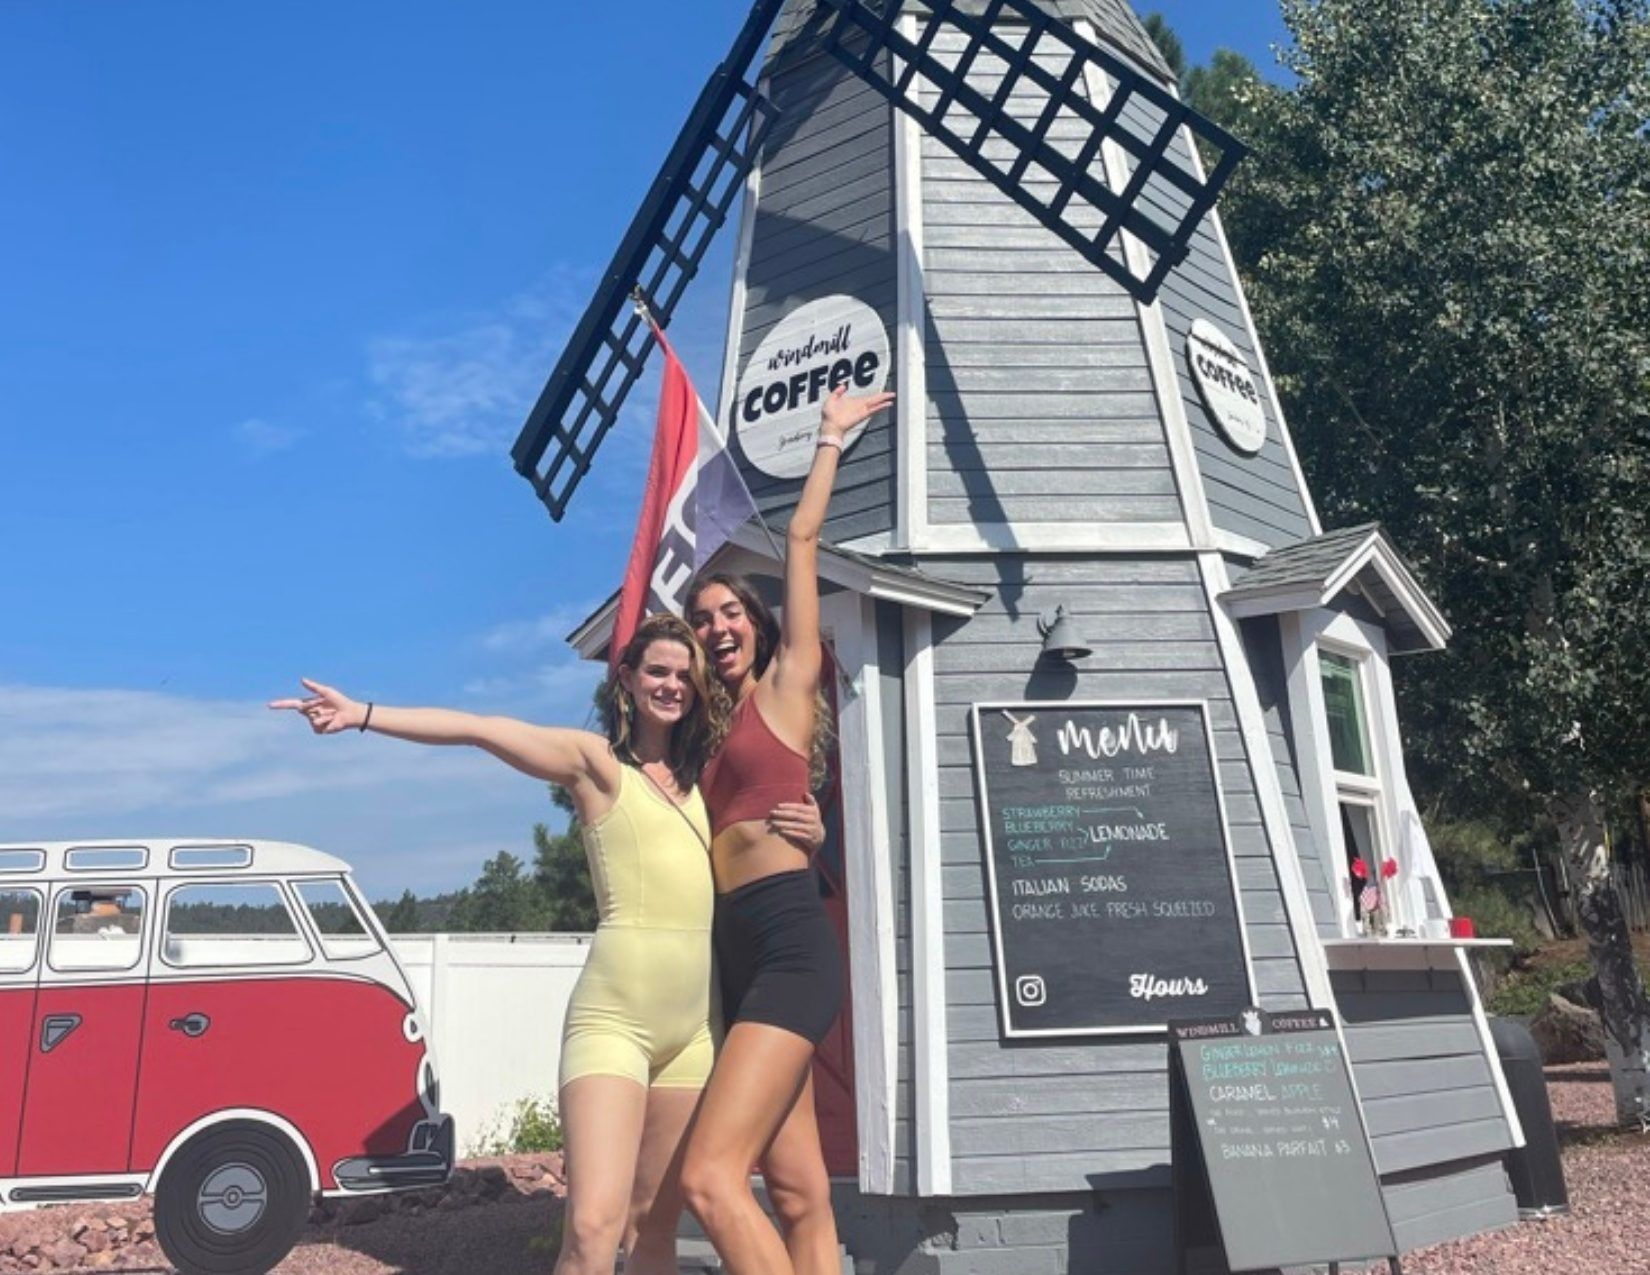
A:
<point x="637" y="1046"/>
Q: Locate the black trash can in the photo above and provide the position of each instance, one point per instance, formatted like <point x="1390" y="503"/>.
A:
<point x="1536" y="1171"/>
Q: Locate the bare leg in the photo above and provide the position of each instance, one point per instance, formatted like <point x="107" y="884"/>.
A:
<point x="800" y="1188"/>
<point x="656" y="1199"/>
<point x="757" y="1079"/>
<point x="602" y="1117"/>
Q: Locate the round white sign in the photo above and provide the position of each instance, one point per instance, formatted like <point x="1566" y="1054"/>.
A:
<point x="835" y="341"/>
<point x="1228" y="388"/>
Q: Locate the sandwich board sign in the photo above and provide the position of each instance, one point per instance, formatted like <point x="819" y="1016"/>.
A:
<point x="1271" y="1161"/>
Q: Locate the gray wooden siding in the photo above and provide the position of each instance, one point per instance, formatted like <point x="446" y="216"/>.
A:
<point x="1032" y="1116"/>
<point x="1118" y="1233"/>
<point x="1258" y="496"/>
<point x="1040" y="400"/>
<point x="825" y="225"/>
<point x="1428" y="1094"/>
<point x="1262" y="643"/>
<point x="1433" y="1205"/>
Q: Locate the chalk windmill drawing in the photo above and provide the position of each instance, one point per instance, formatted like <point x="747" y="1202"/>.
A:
<point x="1023" y="744"/>
<point x="1050" y="161"/>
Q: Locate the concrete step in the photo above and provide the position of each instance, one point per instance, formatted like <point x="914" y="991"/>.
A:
<point x="696" y="1257"/>
<point x="695" y="1253"/>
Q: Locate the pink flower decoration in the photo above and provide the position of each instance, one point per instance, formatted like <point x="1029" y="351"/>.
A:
<point x="1360" y="869"/>
<point x="1389" y="869"/>
<point x="1370" y="900"/>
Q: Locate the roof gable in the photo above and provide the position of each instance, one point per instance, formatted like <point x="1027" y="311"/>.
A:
<point x="1314" y="572"/>
<point x="752" y="552"/>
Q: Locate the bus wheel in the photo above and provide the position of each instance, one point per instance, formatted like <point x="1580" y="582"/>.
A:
<point x="232" y="1201"/>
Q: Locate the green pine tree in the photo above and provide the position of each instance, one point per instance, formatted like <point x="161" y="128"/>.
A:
<point x="401" y="917"/>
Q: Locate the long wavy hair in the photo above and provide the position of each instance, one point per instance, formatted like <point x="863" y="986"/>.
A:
<point x="691" y="739"/>
<point x="767" y="642"/>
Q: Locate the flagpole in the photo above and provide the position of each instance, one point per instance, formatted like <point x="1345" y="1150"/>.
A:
<point x="638" y="299"/>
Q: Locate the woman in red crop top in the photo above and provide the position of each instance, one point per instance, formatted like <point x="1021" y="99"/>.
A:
<point x="777" y="957"/>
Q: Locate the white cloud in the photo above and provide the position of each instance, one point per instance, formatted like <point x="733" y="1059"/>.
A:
<point x="142" y="753"/>
<point x="261" y="438"/>
<point x="86" y="763"/>
<point x="548" y="630"/>
<point x="467" y="390"/>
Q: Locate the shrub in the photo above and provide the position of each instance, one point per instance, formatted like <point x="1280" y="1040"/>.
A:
<point x="531" y="1126"/>
<point x="1523" y="992"/>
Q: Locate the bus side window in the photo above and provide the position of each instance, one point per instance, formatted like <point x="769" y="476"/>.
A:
<point x="231" y="925"/>
<point x="98" y="928"/>
<point x="344" y="936"/>
<point x="19" y="930"/>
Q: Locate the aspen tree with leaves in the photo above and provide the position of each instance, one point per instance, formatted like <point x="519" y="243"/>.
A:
<point x="1444" y="229"/>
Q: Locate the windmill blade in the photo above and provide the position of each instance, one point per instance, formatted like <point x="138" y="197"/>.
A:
<point x="661" y="253"/>
<point x="976" y="104"/>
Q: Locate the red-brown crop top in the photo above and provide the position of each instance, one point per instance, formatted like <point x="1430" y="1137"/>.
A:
<point x="752" y="771"/>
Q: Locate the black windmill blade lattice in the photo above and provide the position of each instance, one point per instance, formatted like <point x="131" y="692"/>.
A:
<point x="1011" y="53"/>
<point x="661" y="253"/>
<point x="975" y="103"/>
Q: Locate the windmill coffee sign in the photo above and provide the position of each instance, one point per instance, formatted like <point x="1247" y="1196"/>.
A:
<point x="1115" y="906"/>
<point x="810" y="352"/>
<point x="1227" y="386"/>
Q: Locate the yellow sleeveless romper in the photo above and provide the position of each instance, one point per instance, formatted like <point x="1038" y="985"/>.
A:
<point x="641" y="1009"/>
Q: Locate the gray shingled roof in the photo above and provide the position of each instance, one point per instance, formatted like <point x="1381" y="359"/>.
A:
<point x="1307" y="562"/>
<point x="1114" y="23"/>
<point x="1302" y="574"/>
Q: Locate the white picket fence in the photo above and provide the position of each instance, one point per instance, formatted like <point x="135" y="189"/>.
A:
<point x="494" y="1005"/>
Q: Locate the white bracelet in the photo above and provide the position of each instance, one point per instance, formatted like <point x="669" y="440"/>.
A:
<point x="828" y="440"/>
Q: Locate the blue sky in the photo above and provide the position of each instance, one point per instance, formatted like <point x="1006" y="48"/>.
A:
<point x="278" y="285"/>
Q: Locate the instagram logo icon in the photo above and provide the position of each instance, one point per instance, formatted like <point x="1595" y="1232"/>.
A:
<point x="1030" y="990"/>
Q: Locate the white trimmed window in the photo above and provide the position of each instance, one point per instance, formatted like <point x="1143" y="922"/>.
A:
<point x="1359" y="792"/>
<point x="228" y="925"/>
<point x="1347" y="738"/>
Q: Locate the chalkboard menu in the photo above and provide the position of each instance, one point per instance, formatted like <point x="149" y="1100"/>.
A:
<point x="1271" y="1160"/>
<point x="1111" y="881"/>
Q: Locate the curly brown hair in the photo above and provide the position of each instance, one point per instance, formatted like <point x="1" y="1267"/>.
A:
<point x="705" y="721"/>
<point x="767" y="642"/>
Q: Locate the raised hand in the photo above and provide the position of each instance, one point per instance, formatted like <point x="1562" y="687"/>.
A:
<point x="328" y="711"/>
<point x="842" y="414"/>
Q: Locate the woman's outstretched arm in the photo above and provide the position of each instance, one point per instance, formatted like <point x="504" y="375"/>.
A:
<point x="555" y="754"/>
<point x="798" y="658"/>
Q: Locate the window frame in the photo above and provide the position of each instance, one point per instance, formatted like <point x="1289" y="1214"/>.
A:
<point x="363" y="916"/>
<point x="1307" y="636"/>
<point x="273" y="883"/>
<point x="138" y="968"/>
<point x="40" y="914"/>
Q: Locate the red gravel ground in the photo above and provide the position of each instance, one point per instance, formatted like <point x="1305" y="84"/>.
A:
<point x="1607" y="1231"/>
<point x="496" y="1223"/>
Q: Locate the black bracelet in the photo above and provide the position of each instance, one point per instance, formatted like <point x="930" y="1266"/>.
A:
<point x="365" y="721"/>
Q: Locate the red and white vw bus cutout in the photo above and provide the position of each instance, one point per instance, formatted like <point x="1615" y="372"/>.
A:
<point x="221" y="1024"/>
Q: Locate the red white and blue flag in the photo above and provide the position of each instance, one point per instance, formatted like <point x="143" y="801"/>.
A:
<point x="694" y="501"/>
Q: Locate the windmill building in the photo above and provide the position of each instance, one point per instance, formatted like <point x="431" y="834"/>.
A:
<point x="1079" y="557"/>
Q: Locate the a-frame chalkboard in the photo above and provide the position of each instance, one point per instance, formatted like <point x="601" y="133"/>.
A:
<point x="1271" y="1161"/>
